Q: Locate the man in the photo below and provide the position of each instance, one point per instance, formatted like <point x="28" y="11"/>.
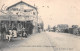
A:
<point x="23" y="29"/>
<point x="3" y="31"/>
<point x="9" y="34"/>
<point x="38" y="29"/>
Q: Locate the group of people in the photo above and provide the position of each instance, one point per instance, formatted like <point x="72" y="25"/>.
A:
<point x="28" y="29"/>
<point x="8" y="34"/>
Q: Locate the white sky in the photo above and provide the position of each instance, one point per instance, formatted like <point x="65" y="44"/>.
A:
<point x="54" y="12"/>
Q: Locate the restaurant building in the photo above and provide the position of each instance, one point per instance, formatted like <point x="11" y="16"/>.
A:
<point x="18" y="15"/>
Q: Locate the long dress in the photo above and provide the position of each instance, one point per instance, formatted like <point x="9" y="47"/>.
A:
<point x="14" y="32"/>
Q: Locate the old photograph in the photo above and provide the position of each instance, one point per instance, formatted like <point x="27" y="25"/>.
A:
<point x="39" y="25"/>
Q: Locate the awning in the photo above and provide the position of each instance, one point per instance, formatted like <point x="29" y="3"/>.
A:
<point x="15" y="18"/>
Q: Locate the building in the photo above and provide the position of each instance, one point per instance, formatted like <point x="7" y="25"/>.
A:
<point x="18" y="15"/>
<point x="62" y="27"/>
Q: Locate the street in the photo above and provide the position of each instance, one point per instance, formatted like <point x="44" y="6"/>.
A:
<point x="47" y="41"/>
<point x="64" y="41"/>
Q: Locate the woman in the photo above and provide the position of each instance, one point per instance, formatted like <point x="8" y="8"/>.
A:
<point x="14" y="32"/>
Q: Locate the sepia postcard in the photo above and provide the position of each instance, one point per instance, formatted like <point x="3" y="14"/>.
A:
<point x="39" y="25"/>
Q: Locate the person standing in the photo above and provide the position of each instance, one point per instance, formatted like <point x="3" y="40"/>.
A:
<point x="38" y="29"/>
<point x="23" y="29"/>
<point x="3" y="32"/>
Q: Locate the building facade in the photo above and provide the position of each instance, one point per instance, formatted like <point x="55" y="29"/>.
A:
<point x="18" y="15"/>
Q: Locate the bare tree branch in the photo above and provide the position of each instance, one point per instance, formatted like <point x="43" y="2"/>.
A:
<point x="2" y="10"/>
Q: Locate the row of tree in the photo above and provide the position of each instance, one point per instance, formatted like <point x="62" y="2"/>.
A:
<point x="64" y="28"/>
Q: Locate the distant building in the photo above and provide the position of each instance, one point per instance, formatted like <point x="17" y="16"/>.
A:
<point x="74" y="29"/>
<point x="62" y="27"/>
<point x="74" y="26"/>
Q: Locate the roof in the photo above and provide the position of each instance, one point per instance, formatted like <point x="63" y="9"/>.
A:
<point x="19" y="3"/>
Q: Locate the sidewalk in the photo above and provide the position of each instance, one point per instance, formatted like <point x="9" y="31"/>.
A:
<point x="5" y="44"/>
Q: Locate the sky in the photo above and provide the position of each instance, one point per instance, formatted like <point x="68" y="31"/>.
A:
<point x="53" y="12"/>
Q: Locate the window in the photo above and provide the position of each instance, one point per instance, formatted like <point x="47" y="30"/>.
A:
<point x="15" y="9"/>
<point x="25" y="11"/>
<point x="33" y="13"/>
